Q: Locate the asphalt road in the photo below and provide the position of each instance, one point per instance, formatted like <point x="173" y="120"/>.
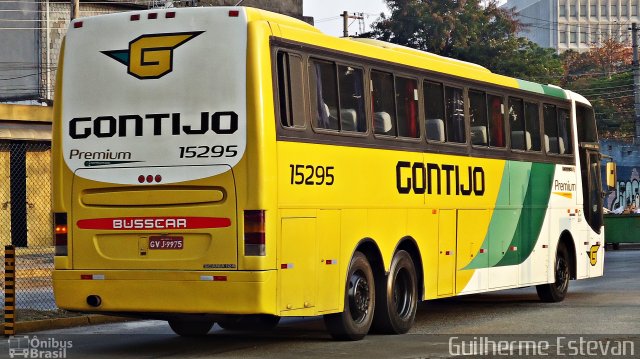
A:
<point x="602" y="310"/>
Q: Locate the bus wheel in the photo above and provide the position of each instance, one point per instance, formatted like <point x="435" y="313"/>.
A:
<point x="190" y="328"/>
<point x="359" y="302"/>
<point x="397" y="297"/>
<point x="257" y="322"/>
<point x="555" y="292"/>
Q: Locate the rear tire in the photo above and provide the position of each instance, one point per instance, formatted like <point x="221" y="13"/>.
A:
<point x="254" y="322"/>
<point x="190" y="328"/>
<point x="397" y="297"/>
<point x="359" y="302"/>
<point x="557" y="291"/>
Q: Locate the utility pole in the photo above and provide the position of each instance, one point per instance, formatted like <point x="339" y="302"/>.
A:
<point x="75" y="9"/>
<point x="345" y="21"/>
<point x="636" y="81"/>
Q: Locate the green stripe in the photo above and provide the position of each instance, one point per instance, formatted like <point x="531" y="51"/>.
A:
<point x="517" y="220"/>
<point x="534" y="209"/>
<point x="542" y="89"/>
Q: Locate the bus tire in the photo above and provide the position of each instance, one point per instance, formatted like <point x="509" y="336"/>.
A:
<point x="359" y="302"/>
<point x="397" y="296"/>
<point x="255" y="322"/>
<point x="190" y="328"/>
<point x="556" y="291"/>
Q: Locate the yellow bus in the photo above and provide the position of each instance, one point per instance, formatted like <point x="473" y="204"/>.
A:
<point x="234" y="166"/>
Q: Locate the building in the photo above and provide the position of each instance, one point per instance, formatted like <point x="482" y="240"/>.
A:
<point x="575" y="24"/>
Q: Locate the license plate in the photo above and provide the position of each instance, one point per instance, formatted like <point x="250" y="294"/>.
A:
<point x="163" y="242"/>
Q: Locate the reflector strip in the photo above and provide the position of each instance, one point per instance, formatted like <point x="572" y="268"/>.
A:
<point x="286" y="265"/>
<point x="77" y="24"/>
<point x="214" y="278"/>
<point x="513" y="248"/>
<point x="482" y="250"/>
<point x="545" y="246"/>
<point x="92" y="276"/>
<point x="331" y="261"/>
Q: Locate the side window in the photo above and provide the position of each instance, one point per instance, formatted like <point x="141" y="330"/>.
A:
<point x="337" y="99"/>
<point x="585" y="121"/>
<point x="550" y="129"/>
<point x="324" y="94"/>
<point x="564" y="131"/>
<point x="290" y="96"/>
<point x="516" y="121"/>
<point x="455" y="115"/>
<point x="352" y="115"/>
<point x="434" y="111"/>
<point x="532" y="122"/>
<point x="478" y="118"/>
<point x="496" y="121"/>
<point x="407" y="107"/>
<point x="384" y="116"/>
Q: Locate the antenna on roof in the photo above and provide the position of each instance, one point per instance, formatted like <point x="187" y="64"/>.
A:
<point x="239" y="2"/>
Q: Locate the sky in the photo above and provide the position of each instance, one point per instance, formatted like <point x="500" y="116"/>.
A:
<point x="326" y="13"/>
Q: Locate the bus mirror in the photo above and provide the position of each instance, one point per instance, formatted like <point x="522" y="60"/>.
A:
<point x="611" y="174"/>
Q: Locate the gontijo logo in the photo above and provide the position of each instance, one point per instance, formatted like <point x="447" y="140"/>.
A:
<point x="151" y="56"/>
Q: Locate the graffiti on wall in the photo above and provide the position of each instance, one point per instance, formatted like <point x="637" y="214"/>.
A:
<point x="627" y="192"/>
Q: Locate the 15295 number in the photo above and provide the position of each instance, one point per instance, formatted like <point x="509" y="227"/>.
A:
<point x="312" y="175"/>
<point x="208" y="151"/>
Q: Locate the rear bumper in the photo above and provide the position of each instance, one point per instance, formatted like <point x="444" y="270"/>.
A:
<point x="231" y="292"/>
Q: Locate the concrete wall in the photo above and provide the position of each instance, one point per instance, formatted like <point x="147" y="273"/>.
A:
<point x="540" y="15"/>
<point x="19" y="54"/>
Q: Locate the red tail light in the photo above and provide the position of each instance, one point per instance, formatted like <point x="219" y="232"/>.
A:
<point x="254" y="238"/>
<point x="60" y="233"/>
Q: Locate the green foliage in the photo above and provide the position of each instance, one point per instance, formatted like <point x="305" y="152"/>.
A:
<point x="469" y="31"/>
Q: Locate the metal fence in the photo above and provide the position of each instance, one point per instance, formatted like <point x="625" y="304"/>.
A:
<point x="25" y="220"/>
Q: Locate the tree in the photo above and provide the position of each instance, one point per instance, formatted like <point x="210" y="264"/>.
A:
<point x="467" y="30"/>
<point x="603" y="75"/>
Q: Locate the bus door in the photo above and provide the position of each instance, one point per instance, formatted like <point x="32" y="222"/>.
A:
<point x="592" y="205"/>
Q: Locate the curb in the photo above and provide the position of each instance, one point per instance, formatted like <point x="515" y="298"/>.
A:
<point x="61" y="323"/>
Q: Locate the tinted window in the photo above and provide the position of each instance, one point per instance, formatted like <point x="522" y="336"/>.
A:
<point x="496" y="121"/>
<point x="564" y="131"/>
<point x="434" y="111"/>
<point x="337" y="96"/>
<point x="532" y="123"/>
<point x="586" y="123"/>
<point x="384" y="116"/>
<point x="352" y="115"/>
<point x="550" y="129"/>
<point x="407" y="107"/>
<point x="324" y="94"/>
<point x="516" y="122"/>
<point x="289" y="84"/>
<point x="454" y="125"/>
<point x="478" y="118"/>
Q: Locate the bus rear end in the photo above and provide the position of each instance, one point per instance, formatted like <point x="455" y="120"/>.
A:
<point x="150" y="146"/>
